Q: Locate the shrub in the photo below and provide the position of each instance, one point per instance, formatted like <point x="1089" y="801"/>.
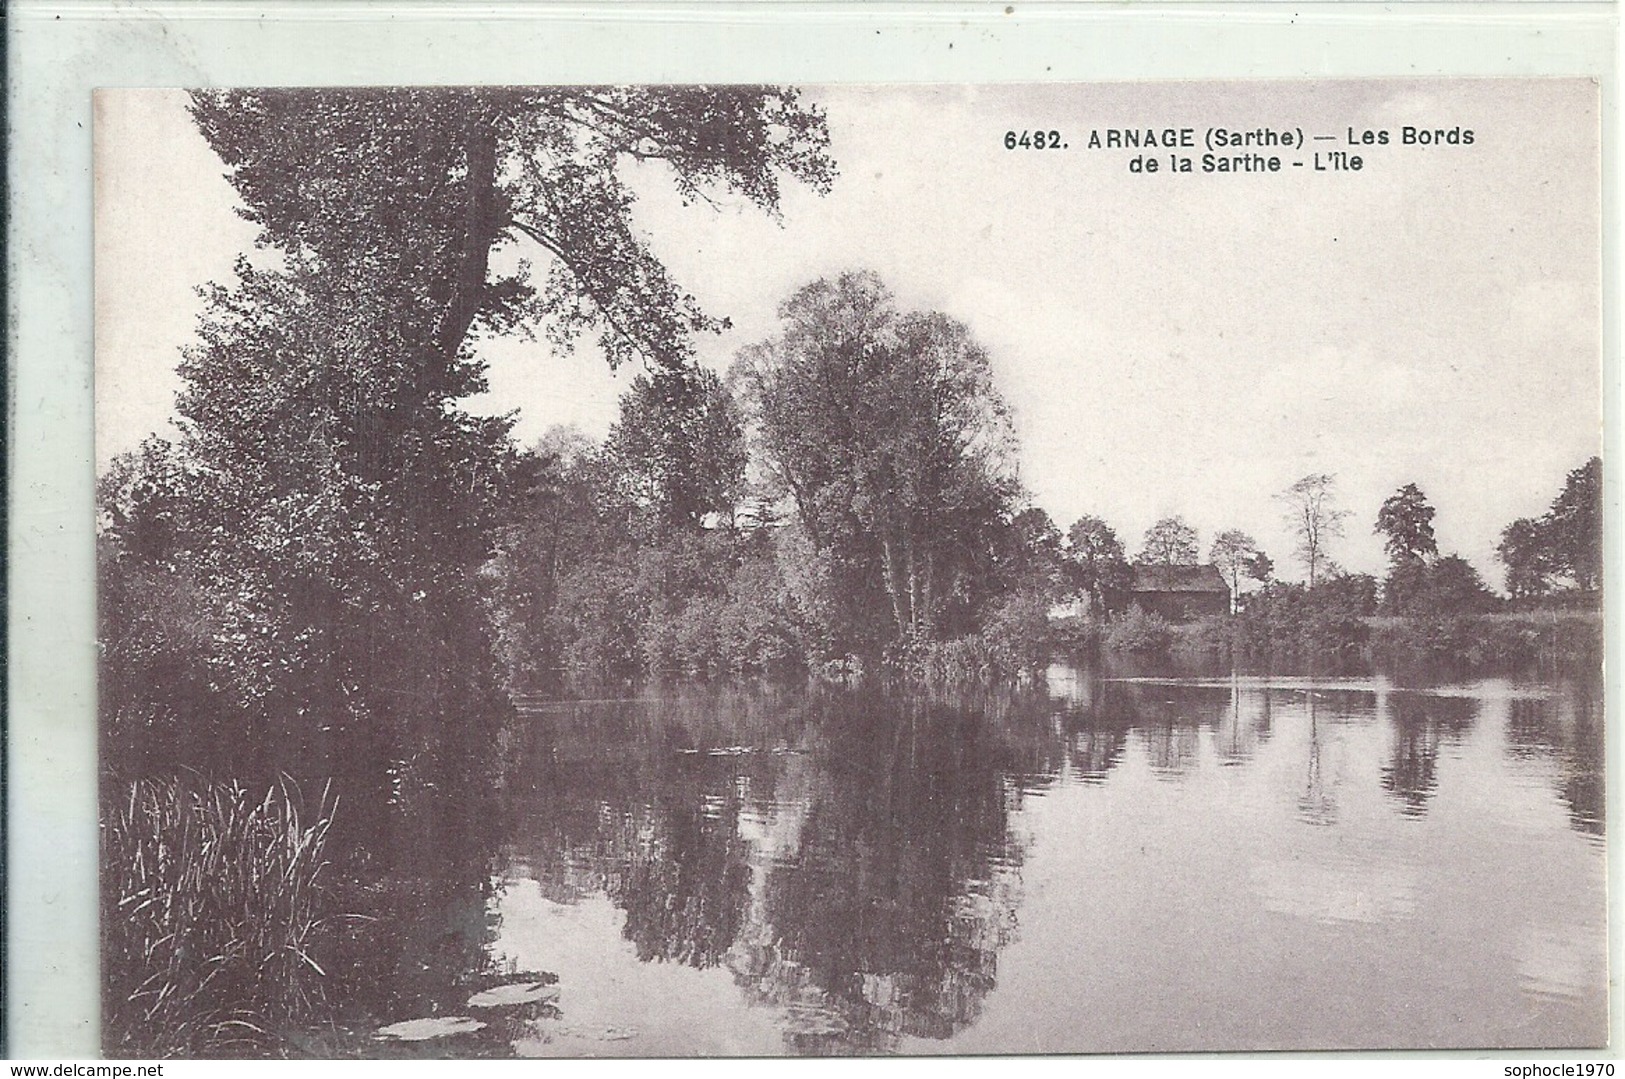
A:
<point x="1207" y="640"/>
<point x="1448" y="586"/>
<point x="1469" y="643"/>
<point x="1018" y="632"/>
<point x="1139" y="632"/>
<point x="210" y="915"/>
<point x="1076" y="634"/>
<point x="1291" y="623"/>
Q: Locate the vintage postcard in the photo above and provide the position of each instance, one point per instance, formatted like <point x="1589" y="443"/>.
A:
<point x="753" y="570"/>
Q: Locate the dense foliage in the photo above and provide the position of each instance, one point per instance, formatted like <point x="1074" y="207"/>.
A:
<point x="1562" y="547"/>
<point x="301" y="571"/>
<point x="1405" y="522"/>
<point x="1100" y="567"/>
<point x="883" y="524"/>
<point x="884" y="430"/>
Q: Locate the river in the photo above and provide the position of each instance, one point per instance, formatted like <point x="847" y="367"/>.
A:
<point x="1081" y="865"/>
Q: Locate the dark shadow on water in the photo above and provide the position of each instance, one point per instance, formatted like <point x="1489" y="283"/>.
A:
<point x="884" y="872"/>
<point x="1567" y="729"/>
<point x="1419" y="725"/>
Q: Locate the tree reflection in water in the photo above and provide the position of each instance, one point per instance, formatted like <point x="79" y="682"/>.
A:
<point x="416" y="922"/>
<point x="1567" y="728"/>
<point x="1241" y="725"/>
<point x="860" y="874"/>
<point x="888" y="919"/>
<point x="1419" y="725"/>
<point x="851" y="857"/>
<point x="1318" y="804"/>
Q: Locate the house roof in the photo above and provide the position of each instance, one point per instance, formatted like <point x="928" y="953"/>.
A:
<point x="1205" y="578"/>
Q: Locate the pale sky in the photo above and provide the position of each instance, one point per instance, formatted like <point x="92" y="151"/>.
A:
<point x="1170" y="344"/>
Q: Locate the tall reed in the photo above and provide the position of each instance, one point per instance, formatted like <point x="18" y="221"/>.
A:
<point x="211" y="917"/>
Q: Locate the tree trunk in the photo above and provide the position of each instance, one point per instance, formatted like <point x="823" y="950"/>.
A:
<point x="889" y="575"/>
<point x="930" y="588"/>
<point x="913" y="593"/>
<point x="480" y="228"/>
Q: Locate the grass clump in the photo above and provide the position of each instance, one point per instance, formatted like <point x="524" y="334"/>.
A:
<point x="211" y="917"/>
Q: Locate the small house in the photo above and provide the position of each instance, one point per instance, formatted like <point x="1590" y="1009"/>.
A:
<point x="1180" y="593"/>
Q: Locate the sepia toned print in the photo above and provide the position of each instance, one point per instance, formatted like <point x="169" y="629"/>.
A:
<point x="718" y="570"/>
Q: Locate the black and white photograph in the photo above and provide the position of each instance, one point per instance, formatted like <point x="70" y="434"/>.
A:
<point x="841" y="570"/>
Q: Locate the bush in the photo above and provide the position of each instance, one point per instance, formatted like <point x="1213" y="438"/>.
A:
<point x="1076" y="635"/>
<point x="1140" y="633"/>
<point x="1551" y="644"/>
<point x="210" y="902"/>
<point x="1019" y="633"/>
<point x="1207" y="640"/>
<point x="1448" y="586"/>
<point x="1288" y="623"/>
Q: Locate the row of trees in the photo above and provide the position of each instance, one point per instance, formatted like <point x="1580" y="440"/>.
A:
<point x="1311" y="514"/>
<point x="1558" y="552"/>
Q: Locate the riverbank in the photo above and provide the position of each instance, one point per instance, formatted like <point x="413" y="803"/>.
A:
<point x="1547" y="642"/>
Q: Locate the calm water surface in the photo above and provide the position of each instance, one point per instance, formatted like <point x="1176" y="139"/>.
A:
<point x="1087" y="865"/>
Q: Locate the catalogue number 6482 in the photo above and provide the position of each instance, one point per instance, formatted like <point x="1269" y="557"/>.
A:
<point x="1034" y="140"/>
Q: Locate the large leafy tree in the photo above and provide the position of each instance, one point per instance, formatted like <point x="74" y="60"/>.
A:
<point x="427" y="184"/>
<point x="564" y="520"/>
<point x="1034" y="560"/>
<point x="1575" y="526"/>
<point x="677" y="452"/>
<point x="885" y="429"/>
<point x="1564" y="543"/>
<point x="1528" y="560"/>
<point x="1099" y="562"/>
<point x="1405" y="521"/>
<point x="1170" y="542"/>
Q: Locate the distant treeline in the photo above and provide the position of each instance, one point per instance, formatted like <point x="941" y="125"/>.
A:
<point x="1326" y="634"/>
<point x="790" y="517"/>
<point x="1429" y="610"/>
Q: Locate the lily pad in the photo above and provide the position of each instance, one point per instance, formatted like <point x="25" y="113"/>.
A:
<point x="421" y="1030"/>
<point x="508" y="996"/>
